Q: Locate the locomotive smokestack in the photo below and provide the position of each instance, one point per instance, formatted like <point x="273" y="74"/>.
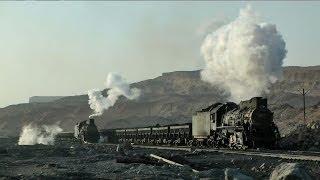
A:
<point x="91" y="121"/>
<point x="243" y="57"/>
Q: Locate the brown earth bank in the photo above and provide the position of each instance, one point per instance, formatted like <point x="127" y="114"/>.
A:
<point x="170" y="98"/>
<point x="72" y="160"/>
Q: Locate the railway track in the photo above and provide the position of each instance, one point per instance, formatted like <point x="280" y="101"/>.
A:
<point x="273" y="154"/>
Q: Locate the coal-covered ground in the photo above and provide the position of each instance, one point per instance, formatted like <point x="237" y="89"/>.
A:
<point x="66" y="160"/>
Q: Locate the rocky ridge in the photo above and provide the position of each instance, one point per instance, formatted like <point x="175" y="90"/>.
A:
<point x="170" y="98"/>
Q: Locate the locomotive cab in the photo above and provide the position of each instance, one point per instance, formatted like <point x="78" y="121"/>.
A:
<point x="207" y="122"/>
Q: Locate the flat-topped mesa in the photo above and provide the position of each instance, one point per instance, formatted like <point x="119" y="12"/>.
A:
<point x="182" y="74"/>
<point x="44" y="99"/>
<point x="302" y="74"/>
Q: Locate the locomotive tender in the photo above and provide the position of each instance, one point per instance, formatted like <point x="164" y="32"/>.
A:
<point x="239" y="126"/>
<point x="249" y="124"/>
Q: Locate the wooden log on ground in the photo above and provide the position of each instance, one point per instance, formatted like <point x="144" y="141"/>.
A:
<point x="169" y="161"/>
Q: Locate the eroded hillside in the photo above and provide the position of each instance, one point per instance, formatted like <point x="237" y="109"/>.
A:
<point x="170" y="98"/>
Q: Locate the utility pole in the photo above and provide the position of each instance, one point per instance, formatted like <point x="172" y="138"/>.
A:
<point x="304" y="104"/>
<point x="149" y="111"/>
<point x="171" y="110"/>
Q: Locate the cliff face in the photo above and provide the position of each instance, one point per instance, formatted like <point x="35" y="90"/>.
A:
<point x="297" y="77"/>
<point x="170" y="98"/>
<point x="300" y="74"/>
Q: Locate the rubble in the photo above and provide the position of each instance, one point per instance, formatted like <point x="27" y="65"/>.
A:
<point x="178" y="158"/>
<point x="142" y="169"/>
<point x="100" y="161"/>
<point x="57" y="151"/>
<point x="235" y="174"/>
<point x="3" y="151"/>
<point x="212" y="173"/>
<point x="288" y="171"/>
<point x="124" y="146"/>
<point x="136" y="158"/>
<point x="305" y="137"/>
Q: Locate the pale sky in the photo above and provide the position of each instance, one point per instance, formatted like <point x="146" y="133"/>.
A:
<point x="66" y="48"/>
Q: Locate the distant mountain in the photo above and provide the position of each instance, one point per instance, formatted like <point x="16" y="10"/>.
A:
<point x="39" y="99"/>
<point x="170" y="98"/>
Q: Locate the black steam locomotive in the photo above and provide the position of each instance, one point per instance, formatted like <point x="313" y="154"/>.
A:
<point x="87" y="131"/>
<point x="245" y="125"/>
<point x="249" y="124"/>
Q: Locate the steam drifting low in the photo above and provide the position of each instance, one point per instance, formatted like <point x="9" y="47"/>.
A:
<point x="117" y="86"/>
<point x="32" y="134"/>
<point x="243" y="57"/>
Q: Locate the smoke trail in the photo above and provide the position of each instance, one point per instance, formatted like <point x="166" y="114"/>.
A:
<point x="243" y="57"/>
<point x="117" y="86"/>
<point x="32" y="134"/>
<point x="97" y="102"/>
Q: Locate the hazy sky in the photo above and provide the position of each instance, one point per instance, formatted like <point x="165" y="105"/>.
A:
<point x="67" y="48"/>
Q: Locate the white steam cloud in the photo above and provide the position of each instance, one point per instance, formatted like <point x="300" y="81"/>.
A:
<point x="33" y="134"/>
<point x="117" y="86"/>
<point x="243" y="57"/>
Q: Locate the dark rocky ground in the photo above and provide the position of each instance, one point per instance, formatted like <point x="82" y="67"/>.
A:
<point x="67" y="160"/>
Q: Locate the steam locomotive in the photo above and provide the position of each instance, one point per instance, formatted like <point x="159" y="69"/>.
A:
<point x="87" y="131"/>
<point x="248" y="124"/>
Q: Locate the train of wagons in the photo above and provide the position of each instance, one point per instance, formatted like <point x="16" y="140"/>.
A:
<point x="248" y="124"/>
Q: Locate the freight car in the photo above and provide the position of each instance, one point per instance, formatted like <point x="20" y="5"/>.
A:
<point x="177" y="134"/>
<point x="238" y="126"/>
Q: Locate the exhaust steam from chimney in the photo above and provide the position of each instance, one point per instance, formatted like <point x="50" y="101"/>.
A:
<point x="244" y="57"/>
<point x="117" y="85"/>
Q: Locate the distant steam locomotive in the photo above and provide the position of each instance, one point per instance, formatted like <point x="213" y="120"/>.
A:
<point x="249" y="124"/>
<point x="87" y="131"/>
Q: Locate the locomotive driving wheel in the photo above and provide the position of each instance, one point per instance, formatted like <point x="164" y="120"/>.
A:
<point x="236" y="140"/>
<point x="200" y="143"/>
<point x="210" y="142"/>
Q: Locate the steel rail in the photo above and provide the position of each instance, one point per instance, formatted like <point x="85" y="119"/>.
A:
<point x="247" y="152"/>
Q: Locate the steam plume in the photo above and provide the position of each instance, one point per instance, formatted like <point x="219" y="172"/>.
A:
<point x="32" y="134"/>
<point x="117" y="86"/>
<point x="243" y="57"/>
